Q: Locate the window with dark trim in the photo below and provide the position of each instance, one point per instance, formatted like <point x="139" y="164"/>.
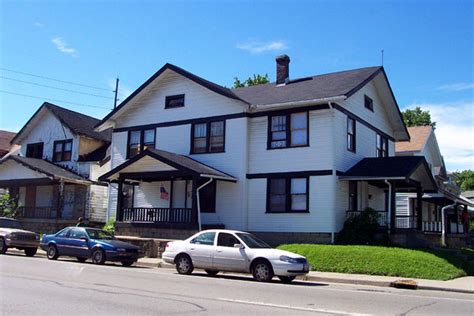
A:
<point x="289" y="130"/>
<point x="208" y="137"/>
<point x="369" y="103"/>
<point x="174" y="101"/>
<point x="353" y="196"/>
<point x="140" y="140"/>
<point x="207" y="198"/>
<point x="62" y="150"/>
<point x="382" y="146"/>
<point x="351" y="134"/>
<point x="34" y="150"/>
<point x="287" y="195"/>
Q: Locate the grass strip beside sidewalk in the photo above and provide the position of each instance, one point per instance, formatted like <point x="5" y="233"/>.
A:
<point x="386" y="261"/>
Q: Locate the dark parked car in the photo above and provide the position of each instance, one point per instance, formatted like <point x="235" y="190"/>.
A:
<point x="85" y="242"/>
<point x="12" y="235"/>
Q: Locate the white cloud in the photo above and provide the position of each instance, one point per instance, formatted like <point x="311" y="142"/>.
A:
<point x="38" y="24"/>
<point x="454" y="132"/>
<point x="63" y="47"/>
<point x="256" y="47"/>
<point x="461" y="86"/>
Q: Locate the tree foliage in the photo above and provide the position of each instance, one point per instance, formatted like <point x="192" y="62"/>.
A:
<point x="417" y="117"/>
<point x="7" y="205"/>
<point x="464" y="179"/>
<point x="256" y="80"/>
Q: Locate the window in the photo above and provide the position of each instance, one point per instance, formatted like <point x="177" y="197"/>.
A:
<point x="140" y="140"/>
<point x="204" y="239"/>
<point x="62" y="150"/>
<point x="287" y="195"/>
<point x="352" y="196"/>
<point x="382" y="146"/>
<point x="289" y="130"/>
<point x="227" y="240"/>
<point x="174" y="101"/>
<point x="77" y="233"/>
<point x="63" y="233"/>
<point x="351" y="134"/>
<point x="34" y="150"/>
<point x="369" y="103"/>
<point x="207" y="198"/>
<point x="208" y="137"/>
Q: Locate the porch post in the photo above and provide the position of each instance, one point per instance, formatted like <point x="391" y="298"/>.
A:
<point x="419" y="207"/>
<point x="456" y="214"/>
<point x="393" y="208"/>
<point x="120" y="199"/>
<point x="59" y="212"/>
<point x="194" y="208"/>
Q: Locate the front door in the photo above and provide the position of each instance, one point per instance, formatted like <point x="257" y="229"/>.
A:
<point x="201" y="249"/>
<point x="228" y="257"/>
<point x="78" y="244"/>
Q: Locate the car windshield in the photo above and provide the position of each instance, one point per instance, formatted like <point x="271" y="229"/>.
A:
<point x="99" y="234"/>
<point x="252" y="242"/>
<point x="9" y="223"/>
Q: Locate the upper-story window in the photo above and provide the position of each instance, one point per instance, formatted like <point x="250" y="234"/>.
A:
<point x="289" y="130"/>
<point x="208" y="137"/>
<point x="174" y="101"/>
<point x="140" y="140"/>
<point x="62" y="150"/>
<point x="34" y="150"/>
<point x="287" y="195"/>
<point x="351" y="134"/>
<point x="382" y="146"/>
<point x="369" y="103"/>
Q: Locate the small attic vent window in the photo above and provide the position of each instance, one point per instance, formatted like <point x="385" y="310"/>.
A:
<point x="369" y="103"/>
<point x="174" y="101"/>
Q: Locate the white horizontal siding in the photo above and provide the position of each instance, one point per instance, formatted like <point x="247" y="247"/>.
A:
<point x="119" y="149"/>
<point x="97" y="201"/>
<point x="11" y="170"/>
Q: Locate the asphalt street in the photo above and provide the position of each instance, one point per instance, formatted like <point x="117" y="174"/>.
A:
<point x="37" y="286"/>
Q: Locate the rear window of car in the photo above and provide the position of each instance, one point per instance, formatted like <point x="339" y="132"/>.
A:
<point x="10" y="223"/>
<point x="204" y="239"/>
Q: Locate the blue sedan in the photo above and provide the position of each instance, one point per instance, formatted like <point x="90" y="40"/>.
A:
<point x="84" y="243"/>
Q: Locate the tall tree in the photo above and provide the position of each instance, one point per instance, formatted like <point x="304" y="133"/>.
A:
<point x="256" y="80"/>
<point x="464" y="179"/>
<point x="417" y="117"/>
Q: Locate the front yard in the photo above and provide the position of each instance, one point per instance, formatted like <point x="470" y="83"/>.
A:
<point x="388" y="261"/>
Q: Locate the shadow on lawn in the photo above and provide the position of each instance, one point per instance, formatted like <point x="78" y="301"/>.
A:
<point x="460" y="259"/>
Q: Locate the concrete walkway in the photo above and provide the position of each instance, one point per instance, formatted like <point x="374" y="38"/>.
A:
<point x="460" y="285"/>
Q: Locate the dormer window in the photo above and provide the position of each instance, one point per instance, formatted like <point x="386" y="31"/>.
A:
<point x="369" y="103"/>
<point x="174" y="101"/>
<point x="62" y="150"/>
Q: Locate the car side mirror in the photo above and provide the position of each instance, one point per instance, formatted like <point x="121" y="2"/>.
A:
<point x="239" y="246"/>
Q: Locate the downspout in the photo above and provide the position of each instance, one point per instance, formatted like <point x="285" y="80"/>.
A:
<point x="443" y="229"/>
<point x="198" y="202"/>
<point x="389" y="213"/>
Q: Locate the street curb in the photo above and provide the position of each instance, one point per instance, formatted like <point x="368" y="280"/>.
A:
<point x="432" y="288"/>
<point x="346" y="281"/>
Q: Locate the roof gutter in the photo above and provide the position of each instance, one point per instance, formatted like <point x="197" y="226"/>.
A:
<point x="218" y="177"/>
<point x="264" y="107"/>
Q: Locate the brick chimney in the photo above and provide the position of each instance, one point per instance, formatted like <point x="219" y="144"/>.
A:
<point x="282" y="69"/>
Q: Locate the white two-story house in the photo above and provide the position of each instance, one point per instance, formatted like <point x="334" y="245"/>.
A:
<point x="54" y="176"/>
<point x="287" y="160"/>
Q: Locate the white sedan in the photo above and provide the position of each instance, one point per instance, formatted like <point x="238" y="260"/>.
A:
<point x="235" y="251"/>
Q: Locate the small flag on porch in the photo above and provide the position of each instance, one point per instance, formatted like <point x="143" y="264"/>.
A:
<point x="163" y="194"/>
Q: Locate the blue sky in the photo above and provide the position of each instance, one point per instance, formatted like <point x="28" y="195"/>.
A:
<point x="428" y="49"/>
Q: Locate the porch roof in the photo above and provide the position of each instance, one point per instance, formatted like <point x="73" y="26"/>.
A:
<point x="42" y="169"/>
<point x="161" y="164"/>
<point x="404" y="169"/>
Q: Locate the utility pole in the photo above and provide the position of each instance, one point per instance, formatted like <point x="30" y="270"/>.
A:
<point x="116" y="92"/>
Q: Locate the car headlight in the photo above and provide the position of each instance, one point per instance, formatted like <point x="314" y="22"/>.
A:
<point x="288" y="259"/>
<point x="11" y="236"/>
<point x="121" y="250"/>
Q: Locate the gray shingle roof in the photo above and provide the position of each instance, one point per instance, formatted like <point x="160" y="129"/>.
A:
<point x="342" y="83"/>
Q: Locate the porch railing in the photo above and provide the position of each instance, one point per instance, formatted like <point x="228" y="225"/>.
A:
<point x="37" y="212"/>
<point x="157" y="215"/>
<point x="405" y="221"/>
<point x="434" y="227"/>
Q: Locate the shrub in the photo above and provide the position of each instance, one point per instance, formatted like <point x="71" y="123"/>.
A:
<point x="360" y="229"/>
<point x="110" y="226"/>
<point x="7" y="205"/>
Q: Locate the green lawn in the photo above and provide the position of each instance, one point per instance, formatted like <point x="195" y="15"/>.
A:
<point x="389" y="261"/>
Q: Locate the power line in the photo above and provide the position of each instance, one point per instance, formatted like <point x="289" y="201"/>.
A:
<point x="53" y="79"/>
<point x="51" y="87"/>
<point x="54" y="100"/>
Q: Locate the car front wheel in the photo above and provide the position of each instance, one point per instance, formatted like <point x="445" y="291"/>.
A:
<point x="52" y="252"/>
<point x="30" y="252"/>
<point x="262" y="271"/>
<point x="286" y="279"/>
<point x="184" y="265"/>
<point x="3" y="246"/>
<point x="98" y="256"/>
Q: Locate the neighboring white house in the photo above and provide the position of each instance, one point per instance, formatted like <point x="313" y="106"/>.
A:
<point x="287" y="160"/>
<point x="54" y="176"/>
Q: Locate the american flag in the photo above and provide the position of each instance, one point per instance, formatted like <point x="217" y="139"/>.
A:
<point x="163" y="194"/>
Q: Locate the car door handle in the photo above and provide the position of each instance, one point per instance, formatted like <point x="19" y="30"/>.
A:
<point x="191" y="248"/>
<point x="219" y="250"/>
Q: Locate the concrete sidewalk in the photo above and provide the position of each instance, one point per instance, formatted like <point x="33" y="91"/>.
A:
<point x="460" y="285"/>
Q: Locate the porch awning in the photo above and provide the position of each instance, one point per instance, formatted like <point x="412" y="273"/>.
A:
<point x="159" y="164"/>
<point x="17" y="170"/>
<point x="405" y="170"/>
